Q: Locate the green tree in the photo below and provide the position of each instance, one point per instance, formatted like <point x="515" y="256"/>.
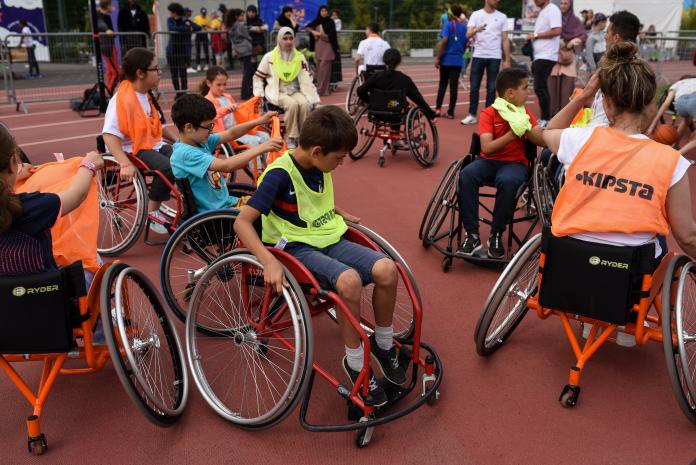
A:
<point x="689" y="17"/>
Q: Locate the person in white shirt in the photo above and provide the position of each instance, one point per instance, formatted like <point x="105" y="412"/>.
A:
<point x="28" y="42"/>
<point x="371" y="50"/>
<point x="337" y="20"/>
<point x="488" y="27"/>
<point x="683" y="94"/>
<point x="546" y="41"/>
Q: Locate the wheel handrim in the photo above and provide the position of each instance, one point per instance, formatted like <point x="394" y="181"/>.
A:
<point x="366" y="134"/>
<point x="220" y="305"/>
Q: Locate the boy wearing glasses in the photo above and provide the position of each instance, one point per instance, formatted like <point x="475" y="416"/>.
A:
<point x="193" y="158"/>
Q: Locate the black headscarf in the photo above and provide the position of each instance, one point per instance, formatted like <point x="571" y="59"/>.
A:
<point x="328" y="26"/>
<point x="285" y="22"/>
<point x="256" y="21"/>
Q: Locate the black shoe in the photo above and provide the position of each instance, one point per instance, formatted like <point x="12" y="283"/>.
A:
<point x="375" y="392"/>
<point x="388" y="361"/>
<point x="495" y="246"/>
<point x="471" y="245"/>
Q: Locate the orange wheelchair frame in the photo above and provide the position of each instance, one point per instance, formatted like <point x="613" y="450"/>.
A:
<point x="518" y="290"/>
<point x="91" y="308"/>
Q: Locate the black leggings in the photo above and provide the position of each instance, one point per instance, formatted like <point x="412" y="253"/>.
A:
<point x="177" y="68"/>
<point x="541" y="69"/>
<point x="448" y="74"/>
<point x="159" y="160"/>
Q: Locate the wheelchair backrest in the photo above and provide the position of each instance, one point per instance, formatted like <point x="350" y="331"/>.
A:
<point x="187" y="198"/>
<point x="20" y="254"/>
<point x="372" y="69"/>
<point x="598" y="281"/>
<point x="475" y="146"/>
<point x="101" y="145"/>
<point x="37" y="312"/>
<point x="387" y="101"/>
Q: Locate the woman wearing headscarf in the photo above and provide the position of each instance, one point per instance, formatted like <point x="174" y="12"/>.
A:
<point x="564" y="73"/>
<point x="283" y="79"/>
<point x="286" y="18"/>
<point x="325" y="41"/>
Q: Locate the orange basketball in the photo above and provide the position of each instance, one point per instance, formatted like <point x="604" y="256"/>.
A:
<point x="665" y="134"/>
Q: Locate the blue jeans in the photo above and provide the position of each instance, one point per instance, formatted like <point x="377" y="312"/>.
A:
<point x="329" y="263"/>
<point x="507" y="178"/>
<point x="478" y="65"/>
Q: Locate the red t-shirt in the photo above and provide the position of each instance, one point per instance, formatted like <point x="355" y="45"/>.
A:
<point x="490" y="122"/>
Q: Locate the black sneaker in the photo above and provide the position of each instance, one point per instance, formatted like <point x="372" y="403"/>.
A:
<point x="375" y="392"/>
<point x="471" y="245"/>
<point x="388" y="361"/>
<point x="495" y="246"/>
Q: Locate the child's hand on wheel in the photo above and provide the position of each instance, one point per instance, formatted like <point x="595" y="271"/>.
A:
<point x="274" y="277"/>
<point x="96" y="158"/>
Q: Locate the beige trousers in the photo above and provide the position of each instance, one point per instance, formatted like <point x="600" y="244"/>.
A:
<point x="296" y="109"/>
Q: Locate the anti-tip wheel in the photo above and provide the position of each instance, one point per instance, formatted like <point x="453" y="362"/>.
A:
<point x="446" y="264"/>
<point x="37" y="445"/>
<point x="363" y="437"/>
<point x="569" y="396"/>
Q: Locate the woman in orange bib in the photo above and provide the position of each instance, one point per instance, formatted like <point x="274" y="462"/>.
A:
<point x="621" y="187"/>
<point x="133" y="124"/>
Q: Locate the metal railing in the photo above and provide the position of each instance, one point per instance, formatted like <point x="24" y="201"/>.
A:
<point x="66" y="64"/>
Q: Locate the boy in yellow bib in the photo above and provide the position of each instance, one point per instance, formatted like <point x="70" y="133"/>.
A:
<point x="295" y="197"/>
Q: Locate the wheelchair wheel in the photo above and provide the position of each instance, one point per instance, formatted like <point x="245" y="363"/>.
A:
<point x="403" y="321"/>
<point x="543" y="194"/>
<point x="143" y="344"/>
<point x="422" y="137"/>
<point x="122" y="209"/>
<point x="507" y="302"/>
<point x="253" y="362"/>
<point x="367" y="131"/>
<point x="224" y="152"/>
<point x="352" y="99"/>
<point x="189" y="252"/>
<point x="443" y="199"/>
<point x="679" y="331"/>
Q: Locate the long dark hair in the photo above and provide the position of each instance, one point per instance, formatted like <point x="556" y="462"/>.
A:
<point x="210" y="75"/>
<point x="10" y="206"/>
<point x="139" y="59"/>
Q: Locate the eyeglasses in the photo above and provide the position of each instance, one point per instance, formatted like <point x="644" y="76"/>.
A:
<point x="157" y="69"/>
<point x="208" y="127"/>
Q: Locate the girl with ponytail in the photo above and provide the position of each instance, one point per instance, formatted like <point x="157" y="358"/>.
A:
<point x="134" y="124"/>
<point x="643" y="192"/>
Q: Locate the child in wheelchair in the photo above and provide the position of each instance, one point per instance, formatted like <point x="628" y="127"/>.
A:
<point x="503" y="127"/>
<point x="391" y="80"/>
<point x="192" y="158"/>
<point x="296" y="204"/>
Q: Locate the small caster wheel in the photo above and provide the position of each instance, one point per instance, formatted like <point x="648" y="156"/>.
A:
<point x="433" y="398"/>
<point x="446" y="264"/>
<point x="381" y="162"/>
<point x="363" y="437"/>
<point x="393" y="151"/>
<point x="426" y="243"/>
<point x="569" y="396"/>
<point x="37" y="445"/>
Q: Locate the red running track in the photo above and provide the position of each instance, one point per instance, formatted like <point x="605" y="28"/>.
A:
<point x="502" y="410"/>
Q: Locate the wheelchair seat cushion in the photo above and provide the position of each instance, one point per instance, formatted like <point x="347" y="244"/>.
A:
<point x="598" y="281"/>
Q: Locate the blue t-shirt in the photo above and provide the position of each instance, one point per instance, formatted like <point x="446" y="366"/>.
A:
<point x="208" y="187"/>
<point x="276" y="192"/>
<point x="456" y="43"/>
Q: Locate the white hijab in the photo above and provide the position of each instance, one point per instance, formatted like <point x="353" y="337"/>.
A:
<point x="286" y="55"/>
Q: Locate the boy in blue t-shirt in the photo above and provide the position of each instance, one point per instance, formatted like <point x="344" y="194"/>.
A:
<point x="450" y="59"/>
<point x="193" y="158"/>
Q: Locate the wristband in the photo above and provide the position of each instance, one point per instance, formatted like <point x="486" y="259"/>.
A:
<point x="90" y="166"/>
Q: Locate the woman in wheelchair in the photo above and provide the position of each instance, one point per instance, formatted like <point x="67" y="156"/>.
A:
<point x="192" y="157"/>
<point x="621" y="187"/>
<point x="284" y="80"/>
<point x="133" y="124"/>
<point x="296" y="204"/>
<point x="26" y="219"/>
<point x="393" y="80"/>
<point x="503" y="127"/>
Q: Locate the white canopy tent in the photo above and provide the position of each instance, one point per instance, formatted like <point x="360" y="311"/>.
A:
<point x="665" y="15"/>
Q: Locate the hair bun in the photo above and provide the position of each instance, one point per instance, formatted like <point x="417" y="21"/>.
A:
<point x="622" y="53"/>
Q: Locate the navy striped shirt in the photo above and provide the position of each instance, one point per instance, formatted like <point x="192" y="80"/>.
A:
<point x="276" y="192"/>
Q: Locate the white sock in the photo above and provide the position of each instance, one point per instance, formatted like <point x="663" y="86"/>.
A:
<point x="384" y="335"/>
<point x="355" y="357"/>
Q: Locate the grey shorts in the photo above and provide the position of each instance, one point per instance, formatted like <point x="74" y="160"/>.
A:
<point x="686" y="106"/>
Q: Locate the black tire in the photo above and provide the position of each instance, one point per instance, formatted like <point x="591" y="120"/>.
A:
<point x="543" y="194"/>
<point x="523" y="269"/>
<point x="680" y="275"/>
<point x="218" y="305"/>
<point x="367" y="131"/>
<point x="443" y="202"/>
<point x="240" y="189"/>
<point x="188" y="253"/>
<point x="138" y="336"/>
<point x="352" y="99"/>
<point x="122" y="209"/>
<point x="422" y="137"/>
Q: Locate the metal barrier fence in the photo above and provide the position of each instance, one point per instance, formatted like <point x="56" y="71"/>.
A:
<point x="59" y="66"/>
